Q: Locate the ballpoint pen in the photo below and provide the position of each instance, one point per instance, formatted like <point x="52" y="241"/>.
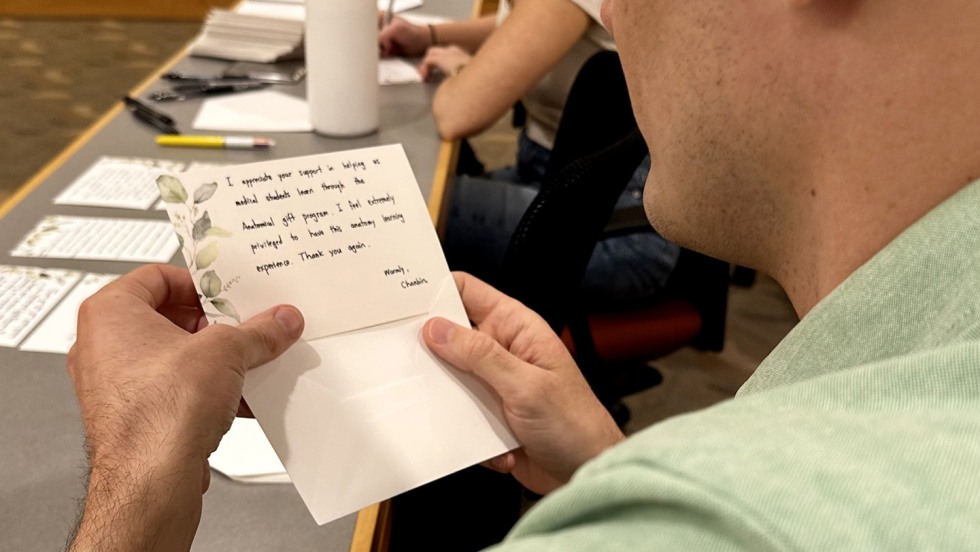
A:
<point x="390" y="12"/>
<point x="226" y="142"/>
<point x="150" y="116"/>
<point x="193" y="90"/>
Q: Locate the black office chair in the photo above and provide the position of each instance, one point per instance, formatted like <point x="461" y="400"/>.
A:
<point x="596" y="151"/>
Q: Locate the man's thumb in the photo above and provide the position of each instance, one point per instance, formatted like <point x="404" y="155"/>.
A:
<point x="474" y="352"/>
<point x="267" y="335"/>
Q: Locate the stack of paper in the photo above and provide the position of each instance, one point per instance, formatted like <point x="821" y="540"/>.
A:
<point x="263" y="31"/>
<point x="246" y="37"/>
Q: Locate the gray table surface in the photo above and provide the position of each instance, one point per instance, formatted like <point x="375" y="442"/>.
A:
<point x="42" y="460"/>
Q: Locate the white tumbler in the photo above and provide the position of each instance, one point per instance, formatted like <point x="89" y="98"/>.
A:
<point x="342" y="66"/>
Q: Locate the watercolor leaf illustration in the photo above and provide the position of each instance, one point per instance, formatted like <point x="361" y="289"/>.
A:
<point x="225" y="307"/>
<point x="193" y="230"/>
<point x="171" y="190"/>
<point x="201" y="227"/>
<point x="210" y="284"/>
<point x="218" y="232"/>
<point x="204" y="192"/>
<point x="207" y="255"/>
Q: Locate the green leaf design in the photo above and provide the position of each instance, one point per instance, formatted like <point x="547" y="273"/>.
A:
<point x="210" y="284"/>
<point x="225" y="307"/>
<point x="218" y="232"/>
<point x="201" y="227"/>
<point x="204" y="192"/>
<point x="171" y="190"/>
<point x="207" y="255"/>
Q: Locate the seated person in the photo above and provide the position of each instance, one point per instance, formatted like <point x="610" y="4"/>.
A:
<point x="533" y="56"/>
<point x="853" y="179"/>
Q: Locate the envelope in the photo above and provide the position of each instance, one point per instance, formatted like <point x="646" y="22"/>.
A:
<point x="372" y="413"/>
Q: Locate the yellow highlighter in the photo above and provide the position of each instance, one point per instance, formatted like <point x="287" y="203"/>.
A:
<point x="226" y="142"/>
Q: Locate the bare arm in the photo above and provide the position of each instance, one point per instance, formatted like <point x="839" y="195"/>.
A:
<point x="536" y="35"/>
<point x="468" y="35"/>
<point x="157" y="390"/>
<point x="402" y="38"/>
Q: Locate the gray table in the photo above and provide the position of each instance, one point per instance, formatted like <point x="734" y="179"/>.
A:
<point x="41" y="456"/>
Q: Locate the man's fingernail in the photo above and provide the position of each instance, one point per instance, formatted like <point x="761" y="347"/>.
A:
<point x="439" y="330"/>
<point x="290" y="320"/>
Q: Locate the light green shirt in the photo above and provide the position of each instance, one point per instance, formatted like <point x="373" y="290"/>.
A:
<point x="861" y="431"/>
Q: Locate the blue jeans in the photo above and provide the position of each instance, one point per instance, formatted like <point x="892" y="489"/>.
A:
<point x="485" y="211"/>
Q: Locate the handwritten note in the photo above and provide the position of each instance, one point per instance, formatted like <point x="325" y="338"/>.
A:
<point x="57" y="333"/>
<point x="348" y="227"/>
<point x="123" y="182"/>
<point x="26" y="295"/>
<point x="99" y="239"/>
<point x="359" y="410"/>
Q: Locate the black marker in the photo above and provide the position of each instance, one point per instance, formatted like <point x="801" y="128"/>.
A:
<point x="150" y="116"/>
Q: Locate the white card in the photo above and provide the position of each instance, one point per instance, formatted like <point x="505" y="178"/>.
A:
<point x="26" y="295"/>
<point x="359" y="410"/>
<point x="124" y="182"/>
<point x="57" y="333"/>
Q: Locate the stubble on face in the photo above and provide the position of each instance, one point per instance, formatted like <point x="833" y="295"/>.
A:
<point x="694" y="84"/>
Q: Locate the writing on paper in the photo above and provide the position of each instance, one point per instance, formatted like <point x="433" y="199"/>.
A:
<point x="351" y="225"/>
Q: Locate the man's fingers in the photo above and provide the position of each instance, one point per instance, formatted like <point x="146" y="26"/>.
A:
<point x="262" y="338"/>
<point x="505" y="463"/>
<point x="244" y="410"/>
<point x="480" y="298"/>
<point x="157" y="286"/>
<point x="477" y="353"/>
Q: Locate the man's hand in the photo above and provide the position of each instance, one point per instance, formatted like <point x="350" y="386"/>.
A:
<point x="546" y="401"/>
<point x="443" y="61"/>
<point x="401" y="38"/>
<point x="157" y="390"/>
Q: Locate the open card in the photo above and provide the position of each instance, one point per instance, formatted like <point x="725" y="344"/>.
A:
<point x="359" y="410"/>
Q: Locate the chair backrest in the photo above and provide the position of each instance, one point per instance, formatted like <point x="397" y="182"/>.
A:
<point x="597" y="148"/>
<point x="548" y="253"/>
<point x="597" y="113"/>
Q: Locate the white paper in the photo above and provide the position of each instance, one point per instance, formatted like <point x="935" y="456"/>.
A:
<point x="397" y="71"/>
<point x="424" y="19"/>
<point x="245" y="455"/>
<point x="26" y="295"/>
<point x="57" y="333"/>
<point x="123" y="182"/>
<point x="273" y="8"/>
<point x="359" y="410"/>
<point x="295" y="9"/>
<point x="99" y="239"/>
<point x="258" y="111"/>
<point x="400" y="5"/>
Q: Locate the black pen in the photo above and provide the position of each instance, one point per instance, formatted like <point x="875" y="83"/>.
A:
<point x="150" y="116"/>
